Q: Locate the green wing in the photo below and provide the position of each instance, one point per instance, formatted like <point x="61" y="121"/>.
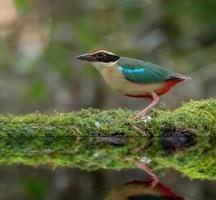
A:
<point x="143" y="72"/>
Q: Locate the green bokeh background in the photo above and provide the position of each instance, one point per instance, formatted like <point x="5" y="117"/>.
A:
<point x="39" y="45"/>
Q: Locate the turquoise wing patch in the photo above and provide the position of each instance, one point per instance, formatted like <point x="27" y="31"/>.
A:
<point x="126" y="70"/>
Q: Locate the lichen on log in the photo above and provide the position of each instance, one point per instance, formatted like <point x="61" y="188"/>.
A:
<point x="91" y="139"/>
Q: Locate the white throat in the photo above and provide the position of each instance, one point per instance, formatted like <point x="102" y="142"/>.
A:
<point x="99" y="65"/>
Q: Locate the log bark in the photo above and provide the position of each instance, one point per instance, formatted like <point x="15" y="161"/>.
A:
<point x="91" y="139"/>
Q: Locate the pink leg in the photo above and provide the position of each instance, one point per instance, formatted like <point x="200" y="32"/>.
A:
<point x="144" y="167"/>
<point x="155" y="101"/>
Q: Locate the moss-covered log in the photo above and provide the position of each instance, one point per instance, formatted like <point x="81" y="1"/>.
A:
<point x="184" y="139"/>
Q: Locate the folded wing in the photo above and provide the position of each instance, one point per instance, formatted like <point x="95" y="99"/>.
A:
<point x="143" y="72"/>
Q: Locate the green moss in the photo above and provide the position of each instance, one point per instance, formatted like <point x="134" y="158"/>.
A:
<point x="91" y="139"/>
<point x="88" y="122"/>
<point x="198" y="118"/>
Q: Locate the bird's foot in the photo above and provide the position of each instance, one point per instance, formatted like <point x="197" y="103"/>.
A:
<point x="143" y="117"/>
<point x="146" y="118"/>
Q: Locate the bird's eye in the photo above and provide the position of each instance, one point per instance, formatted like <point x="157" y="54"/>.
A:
<point x="100" y="55"/>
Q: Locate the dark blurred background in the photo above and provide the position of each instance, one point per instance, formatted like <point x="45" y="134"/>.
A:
<point x="39" y="42"/>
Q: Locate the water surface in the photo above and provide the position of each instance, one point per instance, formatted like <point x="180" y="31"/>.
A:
<point x="43" y="183"/>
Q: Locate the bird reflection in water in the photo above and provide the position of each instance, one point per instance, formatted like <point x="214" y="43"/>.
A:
<point x="142" y="190"/>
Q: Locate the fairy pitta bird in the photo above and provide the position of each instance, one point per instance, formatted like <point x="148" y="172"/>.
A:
<point x="134" y="78"/>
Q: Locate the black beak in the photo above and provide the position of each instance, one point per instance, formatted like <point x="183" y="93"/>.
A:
<point x="86" y="57"/>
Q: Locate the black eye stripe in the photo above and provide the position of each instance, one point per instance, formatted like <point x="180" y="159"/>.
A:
<point x="106" y="58"/>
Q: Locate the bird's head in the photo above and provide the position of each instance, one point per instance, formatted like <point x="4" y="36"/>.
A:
<point x="100" y="58"/>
